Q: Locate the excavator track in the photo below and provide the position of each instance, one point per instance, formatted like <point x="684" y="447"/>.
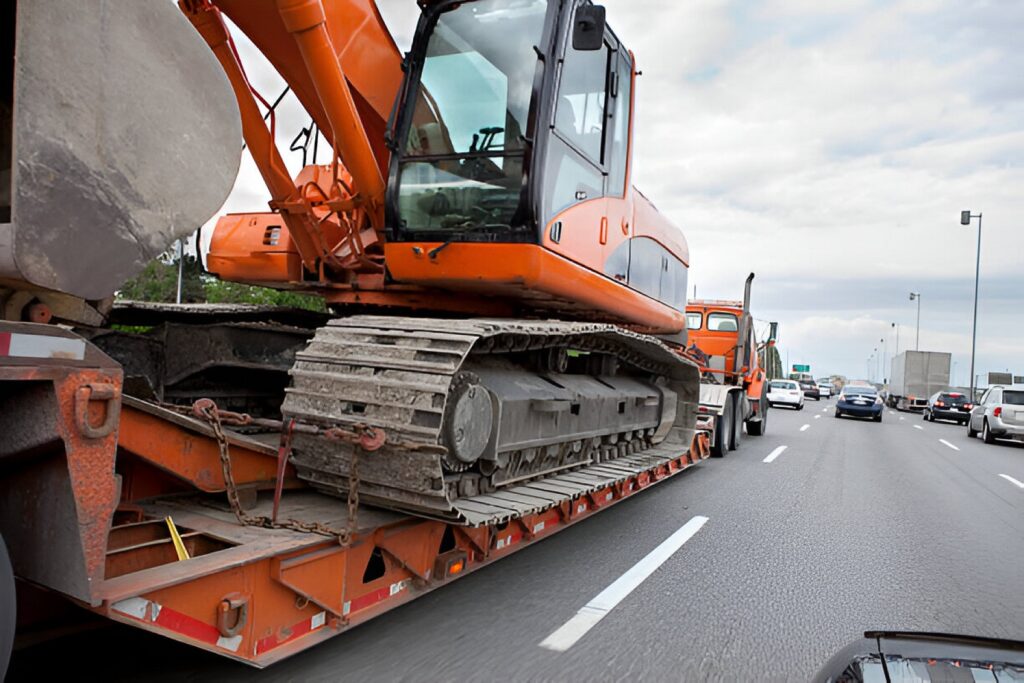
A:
<point x="487" y="420"/>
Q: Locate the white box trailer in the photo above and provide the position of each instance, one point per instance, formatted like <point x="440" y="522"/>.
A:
<point x="916" y="375"/>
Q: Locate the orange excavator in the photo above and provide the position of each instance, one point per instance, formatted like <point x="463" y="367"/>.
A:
<point x="506" y="357"/>
<point x="486" y="173"/>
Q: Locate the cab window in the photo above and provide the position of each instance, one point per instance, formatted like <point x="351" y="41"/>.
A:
<point x="580" y="109"/>
<point x="621" y="86"/>
<point x="694" y="321"/>
<point x="723" y="322"/>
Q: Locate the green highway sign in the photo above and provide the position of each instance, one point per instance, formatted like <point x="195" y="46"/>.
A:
<point x="801" y="368"/>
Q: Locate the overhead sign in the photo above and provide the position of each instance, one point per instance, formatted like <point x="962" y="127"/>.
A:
<point x="801" y="368"/>
<point x="1000" y="378"/>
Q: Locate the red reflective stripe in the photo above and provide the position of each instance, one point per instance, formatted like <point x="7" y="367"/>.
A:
<point x="5" y="343"/>
<point x="364" y="601"/>
<point x="296" y="631"/>
<point x="186" y="625"/>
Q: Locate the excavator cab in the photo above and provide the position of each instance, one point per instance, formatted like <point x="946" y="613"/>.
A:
<point x="512" y="149"/>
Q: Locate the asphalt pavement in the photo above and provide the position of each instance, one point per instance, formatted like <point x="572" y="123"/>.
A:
<point x="758" y="566"/>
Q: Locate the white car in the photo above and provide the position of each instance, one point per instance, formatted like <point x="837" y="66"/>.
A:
<point x="785" y="392"/>
<point x="825" y="389"/>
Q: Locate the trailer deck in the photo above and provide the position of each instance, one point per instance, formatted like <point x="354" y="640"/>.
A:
<point x="259" y="595"/>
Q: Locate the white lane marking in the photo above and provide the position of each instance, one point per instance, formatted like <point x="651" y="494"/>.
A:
<point x="891" y="412"/>
<point x="594" y="611"/>
<point x="774" y="454"/>
<point x="949" y="444"/>
<point x="824" y="410"/>
<point x="1010" y="479"/>
<point x="902" y="418"/>
<point x="805" y="428"/>
<point x="918" y="427"/>
<point x="817" y="417"/>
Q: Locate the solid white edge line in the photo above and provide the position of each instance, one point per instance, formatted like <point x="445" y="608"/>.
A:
<point x="774" y="454"/>
<point x="949" y="444"/>
<point x="805" y="428"/>
<point x="594" y="611"/>
<point x="1010" y="479"/>
<point x="919" y="427"/>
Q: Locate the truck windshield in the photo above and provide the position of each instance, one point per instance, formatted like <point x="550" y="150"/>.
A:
<point x="463" y="157"/>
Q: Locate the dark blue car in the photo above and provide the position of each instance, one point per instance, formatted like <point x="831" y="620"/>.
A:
<point x="860" y="401"/>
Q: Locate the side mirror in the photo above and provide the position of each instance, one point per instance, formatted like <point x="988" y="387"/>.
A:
<point x="588" y="28"/>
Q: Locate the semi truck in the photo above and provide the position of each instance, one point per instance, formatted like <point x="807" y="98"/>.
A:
<point x="253" y="481"/>
<point x="733" y="383"/>
<point x="915" y="376"/>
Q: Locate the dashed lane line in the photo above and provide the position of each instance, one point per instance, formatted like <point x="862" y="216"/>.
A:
<point x="805" y="428"/>
<point x="817" y="417"/>
<point x="774" y="454"/>
<point x="943" y="441"/>
<point x="918" y="427"/>
<point x="1007" y="477"/>
<point x="594" y="611"/>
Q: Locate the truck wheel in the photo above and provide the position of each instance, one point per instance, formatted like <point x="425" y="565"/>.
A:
<point x="986" y="433"/>
<point x="723" y="432"/>
<point x="7" y="608"/>
<point x="737" y="420"/>
<point x="757" y="427"/>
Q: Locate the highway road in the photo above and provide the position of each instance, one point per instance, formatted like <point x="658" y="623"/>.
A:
<point x="757" y="566"/>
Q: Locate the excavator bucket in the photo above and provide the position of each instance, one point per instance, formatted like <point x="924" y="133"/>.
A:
<point x="119" y="133"/>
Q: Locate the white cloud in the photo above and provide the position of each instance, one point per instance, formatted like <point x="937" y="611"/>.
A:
<point x="824" y="143"/>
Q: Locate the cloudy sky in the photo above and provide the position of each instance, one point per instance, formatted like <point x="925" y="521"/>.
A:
<point x="829" y="146"/>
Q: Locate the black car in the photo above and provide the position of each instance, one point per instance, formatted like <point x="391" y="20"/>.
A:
<point x="810" y="389"/>
<point x="860" y="401"/>
<point x="948" y="405"/>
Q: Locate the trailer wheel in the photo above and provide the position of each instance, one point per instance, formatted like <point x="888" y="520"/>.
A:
<point x="7" y="608"/>
<point x="723" y="432"/>
<point x="737" y="420"/>
<point x="757" y="427"/>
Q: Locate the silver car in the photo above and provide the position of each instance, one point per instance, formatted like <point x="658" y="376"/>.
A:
<point x="999" y="414"/>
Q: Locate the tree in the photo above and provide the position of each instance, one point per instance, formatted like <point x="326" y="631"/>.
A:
<point x="158" y="282"/>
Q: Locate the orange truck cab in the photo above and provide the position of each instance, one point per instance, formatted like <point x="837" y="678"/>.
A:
<point x="733" y="382"/>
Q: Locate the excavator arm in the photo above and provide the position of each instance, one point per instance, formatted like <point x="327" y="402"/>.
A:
<point x="343" y="66"/>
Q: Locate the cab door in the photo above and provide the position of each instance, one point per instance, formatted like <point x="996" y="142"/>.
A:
<point x="575" y="206"/>
<point x="617" y="241"/>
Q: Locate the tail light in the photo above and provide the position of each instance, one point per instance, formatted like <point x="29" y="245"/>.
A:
<point x="939" y="404"/>
<point x="998" y="411"/>
<point x="968" y="406"/>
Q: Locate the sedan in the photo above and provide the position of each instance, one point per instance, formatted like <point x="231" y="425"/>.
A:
<point x="999" y="414"/>
<point x="948" y="405"/>
<point x="785" y="392"/>
<point x="860" y="401"/>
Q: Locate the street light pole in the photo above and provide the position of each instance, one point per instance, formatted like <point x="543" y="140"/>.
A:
<point x="885" y="352"/>
<point x="965" y="219"/>
<point x="917" y="339"/>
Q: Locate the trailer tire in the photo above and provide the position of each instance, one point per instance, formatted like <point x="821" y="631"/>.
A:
<point x="723" y="432"/>
<point x="756" y="427"/>
<point x="8" y="609"/>
<point x="737" y="420"/>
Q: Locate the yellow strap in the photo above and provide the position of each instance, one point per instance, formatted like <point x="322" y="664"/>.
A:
<point x="179" y="545"/>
